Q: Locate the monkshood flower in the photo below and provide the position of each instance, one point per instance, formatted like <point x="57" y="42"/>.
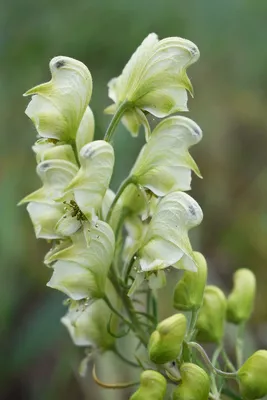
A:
<point x="69" y="195"/>
<point x="166" y="241"/>
<point x="211" y="317"/>
<point x="91" y="182"/>
<point x="58" y="106"/>
<point x="81" y="267"/>
<point x="164" y="163"/>
<point x="87" y="323"/>
<point x="153" y="386"/>
<point x="154" y="80"/>
<point x="195" y="383"/>
<point x="241" y="300"/>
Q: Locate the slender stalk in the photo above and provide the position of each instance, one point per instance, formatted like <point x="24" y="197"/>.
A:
<point x="115" y="120"/>
<point x="192" y="325"/>
<point x="240" y="344"/>
<point x="212" y="368"/>
<point x="111" y="385"/>
<point x="124" y="359"/>
<point x="125" y="183"/>
<point x="105" y="298"/>
<point x="228" y="362"/>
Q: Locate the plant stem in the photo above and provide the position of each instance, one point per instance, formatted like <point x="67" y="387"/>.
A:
<point x="125" y="183"/>
<point x="111" y="385"/>
<point x="212" y="368"/>
<point x="124" y="359"/>
<point x="115" y="120"/>
<point x="228" y="362"/>
<point x="193" y="321"/>
<point x="239" y="345"/>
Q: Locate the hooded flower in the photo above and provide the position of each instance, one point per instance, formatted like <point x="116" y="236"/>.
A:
<point x="166" y="240"/>
<point x="81" y="268"/>
<point x="91" y="182"/>
<point x="87" y="324"/>
<point x="154" y="80"/>
<point x="164" y="164"/>
<point x="58" y="106"/>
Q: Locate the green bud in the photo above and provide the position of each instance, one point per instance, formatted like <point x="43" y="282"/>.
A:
<point x="252" y="376"/>
<point x="195" y="384"/>
<point x="166" y="242"/>
<point x="189" y="291"/>
<point x="165" y="342"/>
<point x="154" y="79"/>
<point x="164" y="163"/>
<point x="210" y="322"/>
<point x="241" y="299"/>
<point x="152" y="386"/>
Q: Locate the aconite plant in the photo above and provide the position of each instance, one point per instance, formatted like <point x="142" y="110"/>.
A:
<point x="110" y="251"/>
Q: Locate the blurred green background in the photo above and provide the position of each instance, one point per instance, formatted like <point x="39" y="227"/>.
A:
<point x="38" y="360"/>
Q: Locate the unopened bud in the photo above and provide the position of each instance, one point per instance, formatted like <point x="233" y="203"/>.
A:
<point x="195" y="384"/>
<point x="188" y="293"/>
<point x="210" y="322"/>
<point x="241" y="299"/>
<point x="152" y="386"/>
<point x="165" y="342"/>
<point x="252" y="376"/>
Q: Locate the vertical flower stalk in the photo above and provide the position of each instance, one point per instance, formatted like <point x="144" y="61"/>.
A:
<point x="110" y="251"/>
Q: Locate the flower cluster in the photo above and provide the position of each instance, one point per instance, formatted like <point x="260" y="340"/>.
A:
<point x="107" y="249"/>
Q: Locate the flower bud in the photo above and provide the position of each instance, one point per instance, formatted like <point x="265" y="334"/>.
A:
<point x="152" y="386"/>
<point x="164" y="163"/>
<point x="154" y="79"/>
<point x="166" y="241"/>
<point x="252" y="376"/>
<point x="189" y="291"/>
<point x="210" y="322"/>
<point x="165" y="342"/>
<point x="57" y="107"/>
<point x="195" y="384"/>
<point x="87" y="324"/>
<point x="241" y="299"/>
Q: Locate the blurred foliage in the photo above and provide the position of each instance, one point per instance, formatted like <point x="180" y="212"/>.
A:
<point x="38" y="360"/>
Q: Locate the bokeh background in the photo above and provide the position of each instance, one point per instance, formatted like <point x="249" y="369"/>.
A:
<point x="37" y="359"/>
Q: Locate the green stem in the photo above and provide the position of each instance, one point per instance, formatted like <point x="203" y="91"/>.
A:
<point x="124" y="359"/>
<point x="123" y="186"/>
<point x="115" y="120"/>
<point x="192" y="325"/>
<point x="228" y="362"/>
<point x="212" y="368"/>
<point x="105" y="298"/>
<point x="239" y="345"/>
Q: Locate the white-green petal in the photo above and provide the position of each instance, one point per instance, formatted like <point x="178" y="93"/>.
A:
<point x="91" y="182"/>
<point x="155" y="79"/>
<point x="67" y="225"/>
<point x="74" y="280"/>
<point x="166" y="240"/>
<point x="44" y="218"/>
<point x="85" y="133"/>
<point x="57" y="152"/>
<point x="57" y="107"/>
<point x="55" y="175"/>
<point x="164" y="164"/>
<point x="87" y="325"/>
<point x="92" y="248"/>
